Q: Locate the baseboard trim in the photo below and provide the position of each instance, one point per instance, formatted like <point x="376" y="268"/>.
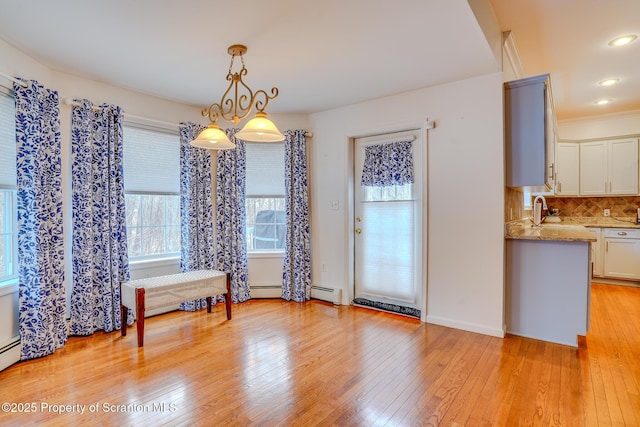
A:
<point x="470" y="327"/>
<point x="620" y="282"/>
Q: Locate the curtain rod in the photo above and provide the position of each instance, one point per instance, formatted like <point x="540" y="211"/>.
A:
<point x="13" y="79"/>
<point x="77" y="104"/>
<point x="68" y="101"/>
<point x="131" y="117"/>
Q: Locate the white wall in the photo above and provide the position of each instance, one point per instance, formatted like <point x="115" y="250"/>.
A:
<point x="602" y="126"/>
<point x="465" y="192"/>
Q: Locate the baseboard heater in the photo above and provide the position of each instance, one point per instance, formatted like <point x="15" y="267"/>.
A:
<point x="331" y="295"/>
<point x="266" y="291"/>
<point x="10" y="352"/>
<point x="327" y="294"/>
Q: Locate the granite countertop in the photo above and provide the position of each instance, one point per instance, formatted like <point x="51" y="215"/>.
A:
<point x="605" y="222"/>
<point x="525" y="230"/>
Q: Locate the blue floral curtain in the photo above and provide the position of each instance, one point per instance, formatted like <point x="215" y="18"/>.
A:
<point x="42" y="301"/>
<point x="99" y="248"/>
<point x="388" y="164"/>
<point x="296" y="276"/>
<point x="196" y="208"/>
<point x="231" y="238"/>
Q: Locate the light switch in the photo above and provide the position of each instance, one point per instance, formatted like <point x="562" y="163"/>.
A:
<point x="335" y="205"/>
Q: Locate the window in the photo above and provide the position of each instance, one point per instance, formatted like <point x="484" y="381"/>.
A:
<point x="8" y="221"/>
<point x="264" y="197"/>
<point x="153" y="225"/>
<point x="152" y="191"/>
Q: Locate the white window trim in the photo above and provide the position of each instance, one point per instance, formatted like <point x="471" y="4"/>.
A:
<point x="8" y="287"/>
<point x="266" y="254"/>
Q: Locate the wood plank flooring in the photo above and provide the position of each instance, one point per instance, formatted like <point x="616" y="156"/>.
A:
<point x="279" y="363"/>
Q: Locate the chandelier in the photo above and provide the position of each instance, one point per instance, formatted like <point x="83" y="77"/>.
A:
<point x="236" y="104"/>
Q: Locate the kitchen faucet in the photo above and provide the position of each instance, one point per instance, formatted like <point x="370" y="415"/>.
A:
<point x="537" y="211"/>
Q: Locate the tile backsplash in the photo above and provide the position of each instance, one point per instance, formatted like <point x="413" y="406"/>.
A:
<point x="595" y="206"/>
<point x="513" y="204"/>
<point x="572" y="206"/>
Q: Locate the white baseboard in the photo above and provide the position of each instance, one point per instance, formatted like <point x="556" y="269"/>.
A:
<point x="470" y="327"/>
<point x="631" y="283"/>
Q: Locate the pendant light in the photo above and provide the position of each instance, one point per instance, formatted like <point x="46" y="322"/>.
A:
<point x="236" y="104"/>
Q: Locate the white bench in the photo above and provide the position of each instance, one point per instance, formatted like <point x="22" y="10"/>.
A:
<point x="162" y="291"/>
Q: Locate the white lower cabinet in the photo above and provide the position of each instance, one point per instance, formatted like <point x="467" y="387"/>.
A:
<point x="596" y="251"/>
<point x="621" y="253"/>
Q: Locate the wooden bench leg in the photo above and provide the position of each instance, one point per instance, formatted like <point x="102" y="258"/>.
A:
<point x="140" y="315"/>
<point x="227" y="297"/>
<point x="123" y="319"/>
<point x="208" y="304"/>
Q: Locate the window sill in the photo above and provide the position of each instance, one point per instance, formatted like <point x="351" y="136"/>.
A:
<point x="157" y="262"/>
<point x="8" y="287"/>
<point x="266" y="254"/>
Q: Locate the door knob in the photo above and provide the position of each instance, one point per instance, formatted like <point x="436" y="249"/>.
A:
<point x="358" y="230"/>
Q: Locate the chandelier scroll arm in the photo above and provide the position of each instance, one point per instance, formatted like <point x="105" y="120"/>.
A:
<point x="262" y="104"/>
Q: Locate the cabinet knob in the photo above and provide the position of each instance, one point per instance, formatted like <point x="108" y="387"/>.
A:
<point x="358" y="230"/>
<point x="622" y="233"/>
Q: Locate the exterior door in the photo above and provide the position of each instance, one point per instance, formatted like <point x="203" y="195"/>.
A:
<point x="387" y="226"/>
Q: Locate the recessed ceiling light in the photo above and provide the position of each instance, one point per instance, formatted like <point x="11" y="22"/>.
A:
<point x="621" y="41"/>
<point x="608" y="82"/>
<point x="603" y="101"/>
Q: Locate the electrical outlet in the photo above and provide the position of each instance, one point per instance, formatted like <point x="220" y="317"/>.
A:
<point x="607" y="212"/>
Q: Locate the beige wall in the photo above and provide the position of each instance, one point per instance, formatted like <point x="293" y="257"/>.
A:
<point x="464" y="196"/>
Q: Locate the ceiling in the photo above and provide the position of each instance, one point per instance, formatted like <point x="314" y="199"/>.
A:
<point x="320" y="54"/>
<point x="323" y="55"/>
<point x="569" y="39"/>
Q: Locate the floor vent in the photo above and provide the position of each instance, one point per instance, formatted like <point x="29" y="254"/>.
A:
<point x="327" y="294"/>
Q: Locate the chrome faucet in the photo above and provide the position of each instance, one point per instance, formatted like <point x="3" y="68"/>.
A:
<point x="537" y="211"/>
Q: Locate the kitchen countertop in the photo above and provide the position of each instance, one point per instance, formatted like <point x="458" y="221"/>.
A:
<point x="605" y="222"/>
<point x="525" y="230"/>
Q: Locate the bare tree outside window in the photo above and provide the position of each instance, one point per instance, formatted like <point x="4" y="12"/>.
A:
<point x="153" y="225"/>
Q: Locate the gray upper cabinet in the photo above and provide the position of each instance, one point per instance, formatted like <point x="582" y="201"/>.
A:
<point x="529" y="132"/>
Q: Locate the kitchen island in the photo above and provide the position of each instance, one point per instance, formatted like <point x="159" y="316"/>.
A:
<point x="548" y="281"/>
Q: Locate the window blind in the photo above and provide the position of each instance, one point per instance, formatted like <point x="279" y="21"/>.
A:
<point x="265" y="169"/>
<point x="7" y="141"/>
<point x="151" y="160"/>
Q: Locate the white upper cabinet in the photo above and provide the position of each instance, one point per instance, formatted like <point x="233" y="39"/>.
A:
<point x="529" y="132"/>
<point x="567" y="178"/>
<point x="609" y="167"/>
<point x="593" y="168"/>
<point x="623" y="166"/>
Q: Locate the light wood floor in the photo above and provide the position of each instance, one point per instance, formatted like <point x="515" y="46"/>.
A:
<point x="279" y="363"/>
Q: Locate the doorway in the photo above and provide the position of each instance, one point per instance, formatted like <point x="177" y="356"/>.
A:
<point x="387" y="221"/>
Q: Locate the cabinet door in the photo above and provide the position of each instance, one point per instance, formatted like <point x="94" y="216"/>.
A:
<point x="623" y="166"/>
<point x="622" y="258"/>
<point x="596" y="252"/>
<point x="568" y="169"/>
<point x="529" y="132"/>
<point x="593" y="168"/>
